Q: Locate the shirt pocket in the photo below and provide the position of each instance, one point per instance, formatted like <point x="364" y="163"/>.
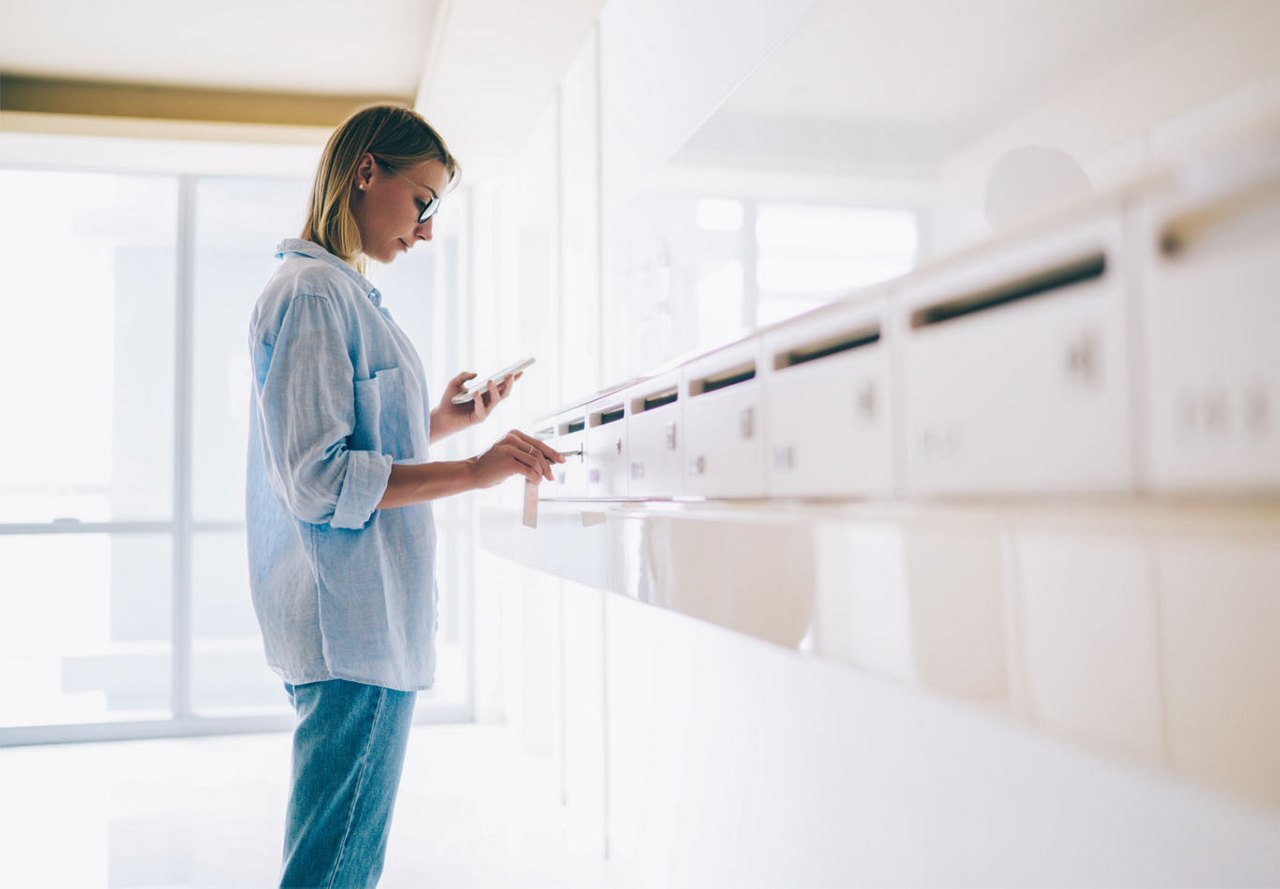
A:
<point x="389" y="419"/>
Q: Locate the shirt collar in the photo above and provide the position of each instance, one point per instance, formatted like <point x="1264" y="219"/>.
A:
<point x="315" y="251"/>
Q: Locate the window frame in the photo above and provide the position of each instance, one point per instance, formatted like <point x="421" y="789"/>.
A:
<point x="187" y="163"/>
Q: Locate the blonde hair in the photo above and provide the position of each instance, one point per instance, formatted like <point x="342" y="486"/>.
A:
<point x="397" y="138"/>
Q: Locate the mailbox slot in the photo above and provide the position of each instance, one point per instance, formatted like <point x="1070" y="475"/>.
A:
<point x="723" y="380"/>
<point x="825" y="348"/>
<point x="609" y="415"/>
<point x="659" y="399"/>
<point x="1041" y="283"/>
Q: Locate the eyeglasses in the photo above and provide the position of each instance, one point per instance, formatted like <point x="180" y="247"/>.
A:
<point x="430" y="207"/>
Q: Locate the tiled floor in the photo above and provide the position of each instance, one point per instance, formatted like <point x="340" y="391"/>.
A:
<point x="204" y="812"/>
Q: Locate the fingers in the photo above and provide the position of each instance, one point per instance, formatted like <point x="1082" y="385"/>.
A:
<point x="526" y="463"/>
<point x="458" y="383"/>
<point x="532" y="456"/>
<point x="539" y="446"/>
<point x="536" y="466"/>
<point x="537" y="452"/>
<point x="504" y="388"/>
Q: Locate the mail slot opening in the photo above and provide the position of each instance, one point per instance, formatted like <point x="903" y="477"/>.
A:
<point x="824" y="348"/>
<point x="606" y="416"/>
<point x="723" y="380"/>
<point x="573" y="426"/>
<point x="1042" y="283"/>
<point x="1239" y="218"/>
<point x="657" y="399"/>
<point x="545" y="433"/>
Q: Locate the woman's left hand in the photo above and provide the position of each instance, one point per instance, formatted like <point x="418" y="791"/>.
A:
<point x="448" y="417"/>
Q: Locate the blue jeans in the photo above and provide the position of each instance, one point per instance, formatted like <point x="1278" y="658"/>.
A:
<point x="348" y="750"/>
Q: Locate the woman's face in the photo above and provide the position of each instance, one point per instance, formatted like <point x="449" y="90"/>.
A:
<point x="386" y="205"/>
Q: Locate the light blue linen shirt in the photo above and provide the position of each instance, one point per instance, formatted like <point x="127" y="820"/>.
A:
<point x="341" y="589"/>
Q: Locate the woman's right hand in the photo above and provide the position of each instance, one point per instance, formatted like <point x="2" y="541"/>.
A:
<point x="516" y="453"/>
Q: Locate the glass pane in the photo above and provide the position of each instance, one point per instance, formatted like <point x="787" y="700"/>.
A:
<point x="88" y="305"/>
<point x="229" y="671"/>
<point x="808" y="254"/>
<point x="239" y="222"/>
<point x="84" y="628"/>
<point x="679" y="264"/>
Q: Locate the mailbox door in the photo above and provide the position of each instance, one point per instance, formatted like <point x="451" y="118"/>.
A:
<point x="1014" y="368"/>
<point x="1211" y="313"/>
<point x="829" y="430"/>
<point x="724" y="448"/>
<point x="655" y="440"/>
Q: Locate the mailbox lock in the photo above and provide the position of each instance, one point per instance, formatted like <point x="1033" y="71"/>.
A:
<point x="697" y="465"/>
<point x="747" y="422"/>
<point x="784" y="457"/>
<point x="618" y="445"/>
<point x="867" y="401"/>
<point x="1214" y="412"/>
<point x="1255" y="409"/>
<point x="1082" y="358"/>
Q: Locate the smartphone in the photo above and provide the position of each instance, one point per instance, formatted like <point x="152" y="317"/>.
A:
<point x="477" y="385"/>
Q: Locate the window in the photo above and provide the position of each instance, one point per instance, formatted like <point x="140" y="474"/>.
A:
<point x="694" y="272"/>
<point x="86" y="461"/>
<point x="807" y="255"/>
<point x="124" y="600"/>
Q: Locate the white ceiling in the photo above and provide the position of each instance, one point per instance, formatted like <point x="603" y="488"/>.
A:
<point x="487" y="68"/>
<point x="901" y="80"/>
<point x="936" y="63"/>
<point x="896" y="85"/>
<point x="307" y="46"/>
<point x="497" y="67"/>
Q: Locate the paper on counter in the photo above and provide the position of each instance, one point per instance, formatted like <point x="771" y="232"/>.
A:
<point x="530" y="518"/>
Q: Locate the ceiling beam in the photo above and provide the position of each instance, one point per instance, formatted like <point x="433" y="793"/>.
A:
<point x="45" y="95"/>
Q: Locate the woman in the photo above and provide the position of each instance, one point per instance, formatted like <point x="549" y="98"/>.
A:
<point x="341" y="536"/>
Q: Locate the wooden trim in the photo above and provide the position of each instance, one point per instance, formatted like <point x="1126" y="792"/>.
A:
<point x="100" y="99"/>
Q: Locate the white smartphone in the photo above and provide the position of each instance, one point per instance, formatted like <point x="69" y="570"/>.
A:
<point x="477" y="385"/>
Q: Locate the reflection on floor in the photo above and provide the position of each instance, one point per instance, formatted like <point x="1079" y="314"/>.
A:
<point x="208" y="812"/>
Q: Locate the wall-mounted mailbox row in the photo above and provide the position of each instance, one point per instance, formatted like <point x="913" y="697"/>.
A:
<point x="1131" y="345"/>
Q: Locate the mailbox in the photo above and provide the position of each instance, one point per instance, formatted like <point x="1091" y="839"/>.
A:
<point x="1211" y="338"/>
<point x="828" y="399"/>
<point x="567" y="433"/>
<point x="606" y="453"/>
<point x="724" y="442"/>
<point x="1014" y="364"/>
<point x="655" y="437"/>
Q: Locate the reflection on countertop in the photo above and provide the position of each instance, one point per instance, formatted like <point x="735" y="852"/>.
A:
<point x="1143" y="631"/>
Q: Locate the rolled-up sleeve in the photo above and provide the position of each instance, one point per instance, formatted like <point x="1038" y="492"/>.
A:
<point x="306" y="400"/>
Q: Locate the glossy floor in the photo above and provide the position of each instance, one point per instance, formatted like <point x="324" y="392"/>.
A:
<point x="207" y="812"/>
